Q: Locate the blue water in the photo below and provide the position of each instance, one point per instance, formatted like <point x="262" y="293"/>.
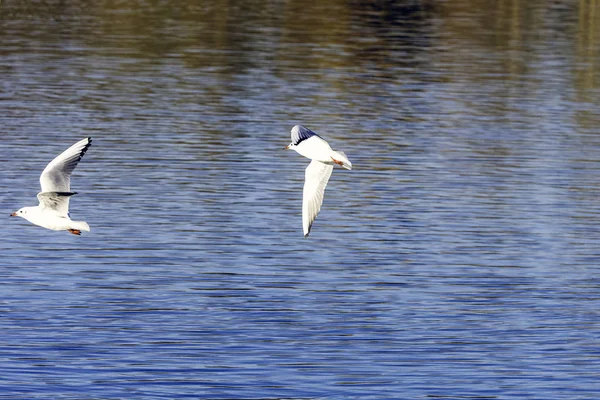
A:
<point x="458" y="259"/>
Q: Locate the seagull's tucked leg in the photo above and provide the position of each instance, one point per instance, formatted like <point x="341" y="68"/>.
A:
<point x="75" y="231"/>
<point x="338" y="162"/>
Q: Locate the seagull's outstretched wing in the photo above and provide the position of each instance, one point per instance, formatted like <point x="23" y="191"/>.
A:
<point x="301" y="133"/>
<point x="56" y="177"/>
<point x="57" y="201"/>
<point x="317" y="176"/>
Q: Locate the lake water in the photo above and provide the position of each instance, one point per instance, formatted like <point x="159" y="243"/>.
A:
<point x="459" y="259"/>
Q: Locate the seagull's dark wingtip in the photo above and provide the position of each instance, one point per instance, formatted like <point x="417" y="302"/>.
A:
<point x="85" y="148"/>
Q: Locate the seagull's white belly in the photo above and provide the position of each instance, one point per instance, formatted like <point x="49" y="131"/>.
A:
<point x="57" y="223"/>
<point x="315" y="148"/>
<point x="49" y="220"/>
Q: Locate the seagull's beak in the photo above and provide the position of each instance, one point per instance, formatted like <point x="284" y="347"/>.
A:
<point x="13" y="214"/>
<point x="286" y="147"/>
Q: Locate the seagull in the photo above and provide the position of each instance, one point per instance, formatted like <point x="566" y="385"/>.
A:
<point x="53" y="210"/>
<point x="311" y="145"/>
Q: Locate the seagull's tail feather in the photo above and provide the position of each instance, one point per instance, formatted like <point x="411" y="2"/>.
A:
<point x="80" y="225"/>
<point x="341" y="156"/>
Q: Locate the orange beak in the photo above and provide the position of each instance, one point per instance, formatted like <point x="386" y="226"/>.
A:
<point x="13" y="214"/>
<point x="286" y="147"/>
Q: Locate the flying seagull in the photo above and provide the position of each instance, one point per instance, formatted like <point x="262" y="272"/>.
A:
<point x="311" y="145"/>
<point x="53" y="210"/>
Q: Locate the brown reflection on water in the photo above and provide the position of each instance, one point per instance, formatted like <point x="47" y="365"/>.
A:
<point x="344" y="47"/>
<point x="327" y="34"/>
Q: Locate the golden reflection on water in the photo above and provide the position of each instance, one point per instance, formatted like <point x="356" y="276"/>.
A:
<point x="333" y="47"/>
<point x="329" y="34"/>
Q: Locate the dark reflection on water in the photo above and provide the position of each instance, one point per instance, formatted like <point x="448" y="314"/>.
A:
<point x="457" y="260"/>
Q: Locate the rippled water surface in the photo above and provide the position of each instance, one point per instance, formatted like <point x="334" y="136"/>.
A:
<point x="458" y="259"/>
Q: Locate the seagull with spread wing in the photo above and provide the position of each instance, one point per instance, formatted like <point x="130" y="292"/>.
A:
<point x="53" y="210"/>
<point x="307" y="143"/>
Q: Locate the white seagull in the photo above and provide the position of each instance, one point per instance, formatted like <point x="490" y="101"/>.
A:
<point x="311" y="145"/>
<point x="53" y="210"/>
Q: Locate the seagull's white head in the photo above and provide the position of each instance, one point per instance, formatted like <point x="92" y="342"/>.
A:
<point x="21" y="213"/>
<point x="290" y="146"/>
